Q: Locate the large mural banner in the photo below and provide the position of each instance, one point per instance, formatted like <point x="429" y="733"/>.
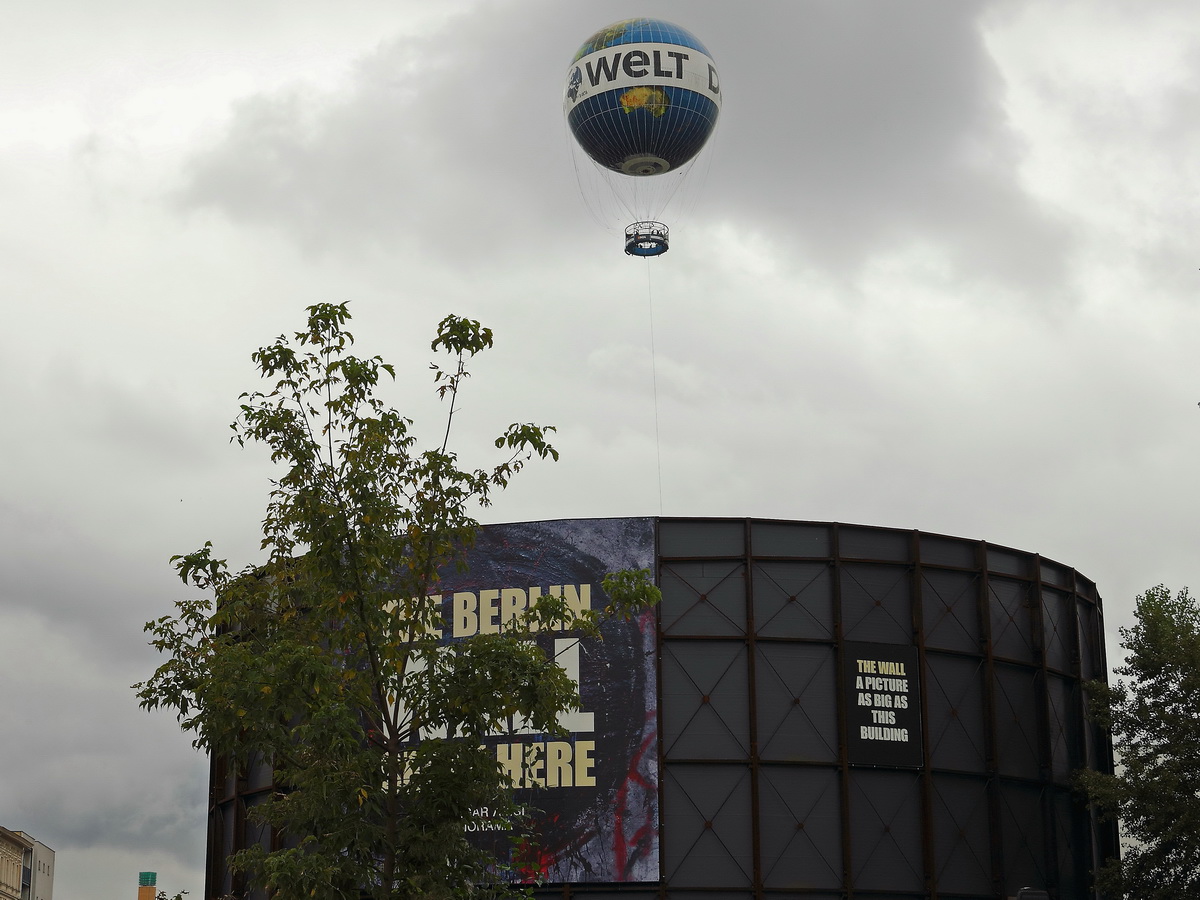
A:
<point x="592" y="795"/>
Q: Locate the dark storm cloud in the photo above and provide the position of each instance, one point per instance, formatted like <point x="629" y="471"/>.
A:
<point x="848" y="130"/>
<point x="454" y="141"/>
<point x="862" y="127"/>
<point x="87" y="530"/>
<point x="77" y="788"/>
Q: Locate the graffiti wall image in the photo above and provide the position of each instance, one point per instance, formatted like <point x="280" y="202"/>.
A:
<point x="592" y="794"/>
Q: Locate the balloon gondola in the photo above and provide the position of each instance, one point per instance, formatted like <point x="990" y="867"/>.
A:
<point x="642" y="98"/>
<point x="647" y="239"/>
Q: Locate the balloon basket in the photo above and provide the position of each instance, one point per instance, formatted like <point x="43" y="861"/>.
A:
<point x="646" y="239"/>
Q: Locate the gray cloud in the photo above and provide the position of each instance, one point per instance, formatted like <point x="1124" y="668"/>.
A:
<point x="859" y="128"/>
<point x="443" y="139"/>
<point x="847" y="131"/>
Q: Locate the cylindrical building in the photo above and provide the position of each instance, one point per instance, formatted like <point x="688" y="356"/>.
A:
<point x="816" y="710"/>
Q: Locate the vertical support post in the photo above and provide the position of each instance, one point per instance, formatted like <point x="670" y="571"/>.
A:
<point x="991" y="751"/>
<point x="927" y="805"/>
<point x="843" y="740"/>
<point x="216" y="826"/>
<point x="658" y="678"/>
<point x="752" y="704"/>
<point x="1037" y="616"/>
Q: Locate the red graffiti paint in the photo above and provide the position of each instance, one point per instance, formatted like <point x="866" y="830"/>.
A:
<point x="622" y="844"/>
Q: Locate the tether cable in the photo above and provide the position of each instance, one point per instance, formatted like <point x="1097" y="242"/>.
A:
<point x="654" y="382"/>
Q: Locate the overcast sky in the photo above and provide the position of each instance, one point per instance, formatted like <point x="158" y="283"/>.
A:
<point x="938" y="269"/>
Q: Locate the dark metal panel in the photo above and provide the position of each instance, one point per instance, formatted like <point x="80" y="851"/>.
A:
<point x="1017" y="735"/>
<point x="1085" y="587"/>
<point x="939" y="550"/>
<point x="876" y="603"/>
<point x="701" y="537"/>
<point x="1091" y="642"/>
<point x="1059" y="576"/>
<point x="237" y="828"/>
<point x="1070" y="838"/>
<point x="1012" y="626"/>
<point x="229" y="779"/>
<point x="1091" y="740"/>
<point x="1003" y="561"/>
<point x="1058" y="629"/>
<point x="886" y="827"/>
<point x="707" y="844"/>
<point x="793" y="599"/>
<point x="1024" y="838"/>
<point x="259" y="774"/>
<point x="1088" y="636"/>
<point x="857" y="542"/>
<point x="961" y="837"/>
<point x="791" y="539"/>
<point x="220" y="845"/>
<point x="1065" y="727"/>
<point x="950" y="610"/>
<point x="801" y="827"/>
<point x="704" y="690"/>
<point x="703" y="598"/>
<point x="957" y="723"/>
<point x="257" y="834"/>
<point x="797" y="715"/>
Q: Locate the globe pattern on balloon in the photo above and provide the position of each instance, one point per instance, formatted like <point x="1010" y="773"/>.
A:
<point x="663" y="103"/>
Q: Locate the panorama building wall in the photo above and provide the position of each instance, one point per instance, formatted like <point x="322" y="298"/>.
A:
<point x="816" y="710"/>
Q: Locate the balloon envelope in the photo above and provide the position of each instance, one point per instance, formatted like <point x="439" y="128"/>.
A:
<point x="642" y="97"/>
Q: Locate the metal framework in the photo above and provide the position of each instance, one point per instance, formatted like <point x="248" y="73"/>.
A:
<point x="760" y="797"/>
<point x="760" y="793"/>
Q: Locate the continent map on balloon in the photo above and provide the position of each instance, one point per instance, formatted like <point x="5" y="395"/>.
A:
<point x="653" y="100"/>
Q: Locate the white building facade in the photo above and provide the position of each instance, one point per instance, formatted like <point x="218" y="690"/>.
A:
<point x="26" y="867"/>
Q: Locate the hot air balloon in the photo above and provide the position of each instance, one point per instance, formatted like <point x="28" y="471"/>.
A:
<point x="642" y="98"/>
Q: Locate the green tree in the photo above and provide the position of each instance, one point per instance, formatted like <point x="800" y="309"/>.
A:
<point x="324" y="658"/>
<point x="1154" y="718"/>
